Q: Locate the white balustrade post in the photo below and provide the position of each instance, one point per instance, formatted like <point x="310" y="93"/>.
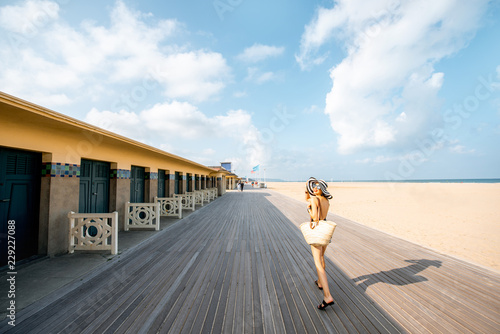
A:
<point x="179" y="203"/>
<point x="71" y="238"/>
<point x="157" y="214"/>
<point x="126" y="221"/>
<point x="114" y="233"/>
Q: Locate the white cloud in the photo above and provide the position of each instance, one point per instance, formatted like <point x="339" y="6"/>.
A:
<point x="184" y="121"/>
<point x="134" y="46"/>
<point x="391" y="48"/>
<point x="125" y="123"/>
<point x="192" y="75"/>
<point x="317" y="33"/>
<point x="460" y="149"/>
<point x="239" y="94"/>
<point x="208" y="151"/>
<point x="415" y="155"/>
<point x="312" y="109"/>
<point x="28" y="18"/>
<point x="259" y="52"/>
<point x="259" y="77"/>
<point x="264" y="77"/>
<point x="379" y="159"/>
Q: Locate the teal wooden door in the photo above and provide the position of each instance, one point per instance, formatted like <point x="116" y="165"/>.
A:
<point x="137" y="182"/>
<point x="188" y="183"/>
<point x="94" y="187"/>
<point x="161" y="183"/>
<point x="20" y="173"/>
<point x="177" y="180"/>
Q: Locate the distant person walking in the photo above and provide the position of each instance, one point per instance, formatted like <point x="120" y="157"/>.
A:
<point x="242" y="185"/>
<point x="318" y="198"/>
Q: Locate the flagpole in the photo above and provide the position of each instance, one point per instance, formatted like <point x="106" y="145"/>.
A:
<point x="265" y="177"/>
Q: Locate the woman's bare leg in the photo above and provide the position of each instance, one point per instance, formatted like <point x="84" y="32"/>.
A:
<point x="323" y="250"/>
<point x="322" y="258"/>
<point x="322" y="279"/>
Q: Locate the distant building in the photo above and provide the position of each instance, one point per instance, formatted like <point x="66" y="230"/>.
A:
<point x="226" y="166"/>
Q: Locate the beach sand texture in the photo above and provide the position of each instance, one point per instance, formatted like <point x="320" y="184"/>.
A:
<point x="458" y="219"/>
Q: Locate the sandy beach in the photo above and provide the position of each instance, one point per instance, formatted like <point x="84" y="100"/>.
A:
<point x="458" y="219"/>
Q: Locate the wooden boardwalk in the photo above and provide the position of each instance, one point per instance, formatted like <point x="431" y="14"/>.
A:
<point x="240" y="265"/>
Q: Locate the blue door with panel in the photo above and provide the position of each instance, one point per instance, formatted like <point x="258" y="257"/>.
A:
<point x="20" y="174"/>
<point x="94" y="186"/>
<point x="137" y="183"/>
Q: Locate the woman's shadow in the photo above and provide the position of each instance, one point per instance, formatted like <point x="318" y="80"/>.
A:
<point x="400" y="276"/>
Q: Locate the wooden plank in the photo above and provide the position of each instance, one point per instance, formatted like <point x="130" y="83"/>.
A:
<point x="268" y="292"/>
<point x="223" y="297"/>
<point x="240" y="264"/>
<point x="254" y="289"/>
<point x="175" y="315"/>
<point x="196" y="287"/>
<point x="80" y="300"/>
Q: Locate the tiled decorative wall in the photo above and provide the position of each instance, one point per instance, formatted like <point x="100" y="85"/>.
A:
<point x="151" y="176"/>
<point x="120" y="174"/>
<point x="57" y="169"/>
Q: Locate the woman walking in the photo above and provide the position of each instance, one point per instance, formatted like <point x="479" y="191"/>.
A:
<point x="318" y="198"/>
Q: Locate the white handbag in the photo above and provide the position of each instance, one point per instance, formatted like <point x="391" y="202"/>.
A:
<point x="321" y="235"/>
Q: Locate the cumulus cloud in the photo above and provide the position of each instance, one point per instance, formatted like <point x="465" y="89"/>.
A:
<point x="385" y="91"/>
<point x="26" y="19"/>
<point x="259" y="52"/>
<point x="182" y="120"/>
<point x="54" y="54"/>
<point x="192" y="75"/>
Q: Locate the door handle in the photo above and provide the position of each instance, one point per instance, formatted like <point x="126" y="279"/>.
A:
<point x="6" y="200"/>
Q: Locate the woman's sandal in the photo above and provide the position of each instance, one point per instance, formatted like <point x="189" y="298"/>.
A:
<point x="324" y="304"/>
<point x="318" y="285"/>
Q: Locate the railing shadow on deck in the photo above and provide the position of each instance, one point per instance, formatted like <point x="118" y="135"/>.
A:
<point x="398" y="276"/>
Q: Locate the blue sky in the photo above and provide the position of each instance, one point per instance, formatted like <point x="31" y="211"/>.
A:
<point x="345" y="90"/>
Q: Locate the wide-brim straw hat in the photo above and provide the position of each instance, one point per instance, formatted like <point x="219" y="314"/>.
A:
<point x="322" y="184"/>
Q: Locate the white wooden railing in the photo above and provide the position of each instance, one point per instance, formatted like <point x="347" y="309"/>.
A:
<point x="170" y="206"/>
<point x="206" y="195"/>
<point x="93" y="231"/>
<point x="142" y="216"/>
<point x="198" y="197"/>
<point x="213" y="193"/>
<point x="187" y="201"/>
